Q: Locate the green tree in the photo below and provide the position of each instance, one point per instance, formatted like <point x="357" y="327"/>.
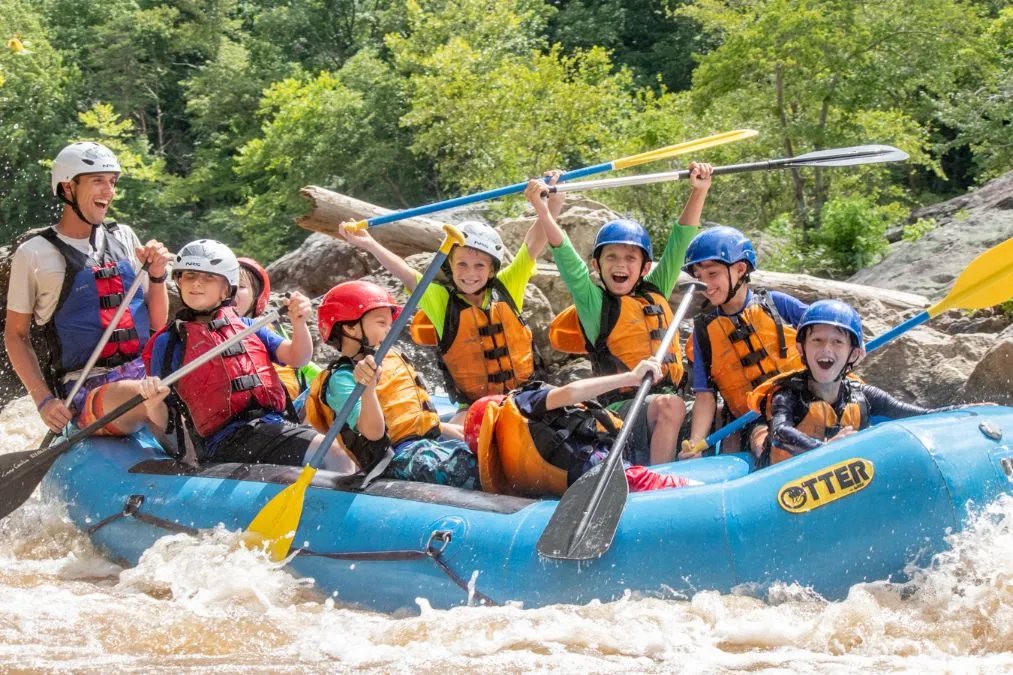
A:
<point x="814" y="75"/>
<point x="36" y="110"/>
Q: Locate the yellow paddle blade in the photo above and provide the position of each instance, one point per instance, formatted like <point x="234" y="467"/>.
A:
<point x="987" y="281"/>
<point x="279" y="519"/>
<point x="684" y="148"/>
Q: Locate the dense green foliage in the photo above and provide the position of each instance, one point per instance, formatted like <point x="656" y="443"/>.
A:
<point x="221" y="110"/>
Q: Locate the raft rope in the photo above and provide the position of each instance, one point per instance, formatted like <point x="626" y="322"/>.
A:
<point x="435" y="547"/>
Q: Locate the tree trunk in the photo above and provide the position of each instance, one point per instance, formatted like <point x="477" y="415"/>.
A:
<point x="406" y="237"/>
<point x="796" y="177"/>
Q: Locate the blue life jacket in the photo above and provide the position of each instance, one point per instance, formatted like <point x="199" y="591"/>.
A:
<point x="93" y="287"/>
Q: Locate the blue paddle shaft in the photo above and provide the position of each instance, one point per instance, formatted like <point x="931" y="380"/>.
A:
<point x="402" y="320"/>
<point x="744" y="421"/>
<point x="479" y="196"/>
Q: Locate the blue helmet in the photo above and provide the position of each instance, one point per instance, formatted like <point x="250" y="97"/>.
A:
<point x="623" y="232"/>
<point x="832" y="313"/>
<point x="721" y="243"/>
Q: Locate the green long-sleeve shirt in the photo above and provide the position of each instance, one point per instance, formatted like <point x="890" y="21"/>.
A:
<point x="587" y="296"/>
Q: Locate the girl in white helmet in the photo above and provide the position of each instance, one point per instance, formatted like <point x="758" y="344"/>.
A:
<point x="485" y="346"/>
<point x="235" y="406"/>
<point x="68" y="282"/>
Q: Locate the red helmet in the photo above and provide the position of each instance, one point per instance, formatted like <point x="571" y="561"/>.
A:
<point x="473" y="419"/>
<point x="348" y="301"/>
<point x="260" y="303"/>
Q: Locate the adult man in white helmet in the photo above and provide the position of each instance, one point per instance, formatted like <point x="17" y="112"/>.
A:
<point x="68" y="282"/>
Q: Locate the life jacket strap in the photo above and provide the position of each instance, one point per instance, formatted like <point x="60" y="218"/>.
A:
<point x="502" y="376"/>
<point x="123" y="335"/>
<point x="490" y="329"/>
<point x="246" y="382"/>
<point x="497" y="353"/>
<point x="218" y="324"/>
<point x="235" y="350"/>
<point x="752" y="358"/>
<point x="110" y="301"/>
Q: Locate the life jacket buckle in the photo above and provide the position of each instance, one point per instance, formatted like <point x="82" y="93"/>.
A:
<point x="107" y="272"/>
<point x="657" y="334"/>
<point x="110" y="301"/>
<point x="653" y="310"/>
<point x="497" y="353"/>
<point x="245" y="383"/>
<point x="752" y="358"/>
<point x="217" y="324"/>
<point x="742" y="333"/>
<point x="235" y="350"/>
<point x="123" y="335"/>
<point x="502" y="376"/>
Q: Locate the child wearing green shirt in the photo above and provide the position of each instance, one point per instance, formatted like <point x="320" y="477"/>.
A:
<point x="622" y="322"/>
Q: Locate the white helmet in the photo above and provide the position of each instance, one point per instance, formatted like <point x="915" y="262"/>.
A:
<point x="81" y="158"/>
<point x="481" y="237"/>
<point x="208" y="255"/>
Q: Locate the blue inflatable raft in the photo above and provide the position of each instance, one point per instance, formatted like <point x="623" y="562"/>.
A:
<point x="856" y="510"/>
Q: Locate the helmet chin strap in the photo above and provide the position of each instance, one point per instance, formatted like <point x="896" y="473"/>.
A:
<point x="732" y="290"/>
<point x="364" y="347"/>
<point x="73" y="205"/>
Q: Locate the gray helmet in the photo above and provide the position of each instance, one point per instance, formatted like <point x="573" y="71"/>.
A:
<point x="208" y="255"/>
<point x="81" y="158"/>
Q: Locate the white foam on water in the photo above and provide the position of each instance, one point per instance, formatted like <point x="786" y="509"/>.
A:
<point x="205" y="603"/>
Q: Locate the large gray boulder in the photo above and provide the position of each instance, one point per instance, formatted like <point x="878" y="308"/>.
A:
<point x="992" y="377"/>
<point x="967" y="225"/>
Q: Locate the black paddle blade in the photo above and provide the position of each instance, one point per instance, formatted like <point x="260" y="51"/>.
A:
<point x="21" y="473"/>
<point x="563" y="538"/>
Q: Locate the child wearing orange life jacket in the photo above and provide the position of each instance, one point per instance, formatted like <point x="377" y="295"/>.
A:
<point x="251" y="301"/>
<point x="235" y="405"/>
<point x="393" y="429"/>
<point x="747" y="338"/>
<point x="539" y="439"/>
<point x="475" y="321"/>
<point x="623" y="321"/>
<point x="820" y="403"/>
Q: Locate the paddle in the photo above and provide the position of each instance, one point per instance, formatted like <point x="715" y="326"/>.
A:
<point x="584" y="522"/>
<point x="113" y="323"/>
<point x="862" y="154"/>
<point x="623" y="163"/>
<point x="987" y="281"/>
<point x="21" y="472"/>
<point x="278" y="521"/>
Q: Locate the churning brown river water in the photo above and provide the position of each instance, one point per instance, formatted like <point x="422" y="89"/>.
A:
<point x="202" y="604"/>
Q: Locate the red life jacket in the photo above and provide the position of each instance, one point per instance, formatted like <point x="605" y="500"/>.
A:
<point x="240" y="384"/>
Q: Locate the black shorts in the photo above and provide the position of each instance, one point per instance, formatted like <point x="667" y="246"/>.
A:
<point x="638" y="445"/>
<point x="261" y="442"/>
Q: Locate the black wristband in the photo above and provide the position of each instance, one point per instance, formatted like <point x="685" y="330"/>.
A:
<point x="158" y="280"/>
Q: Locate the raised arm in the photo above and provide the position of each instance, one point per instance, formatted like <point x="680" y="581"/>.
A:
<point x="547" y="221"/>
<point x="394" y="264"/>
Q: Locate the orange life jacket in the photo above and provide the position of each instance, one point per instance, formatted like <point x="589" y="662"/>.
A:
<point x="819" y="419"/>
<point x="743" y="351"/>
<point x="482" y="351"/>
<point x="408" y="411"/>
<point x="632" y="327"/>
<point x="523" y="456"/>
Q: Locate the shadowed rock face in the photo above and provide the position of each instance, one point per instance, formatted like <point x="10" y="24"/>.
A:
<point x="967" y="225"/>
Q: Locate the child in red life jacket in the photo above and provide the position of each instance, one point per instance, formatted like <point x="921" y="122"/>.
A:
<point x="821" y="403"/>
<point x="624" y="320"/>
<point x="539" y="439"/>
<point x="234" y="405"/>
<point x="394" y="429"/>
